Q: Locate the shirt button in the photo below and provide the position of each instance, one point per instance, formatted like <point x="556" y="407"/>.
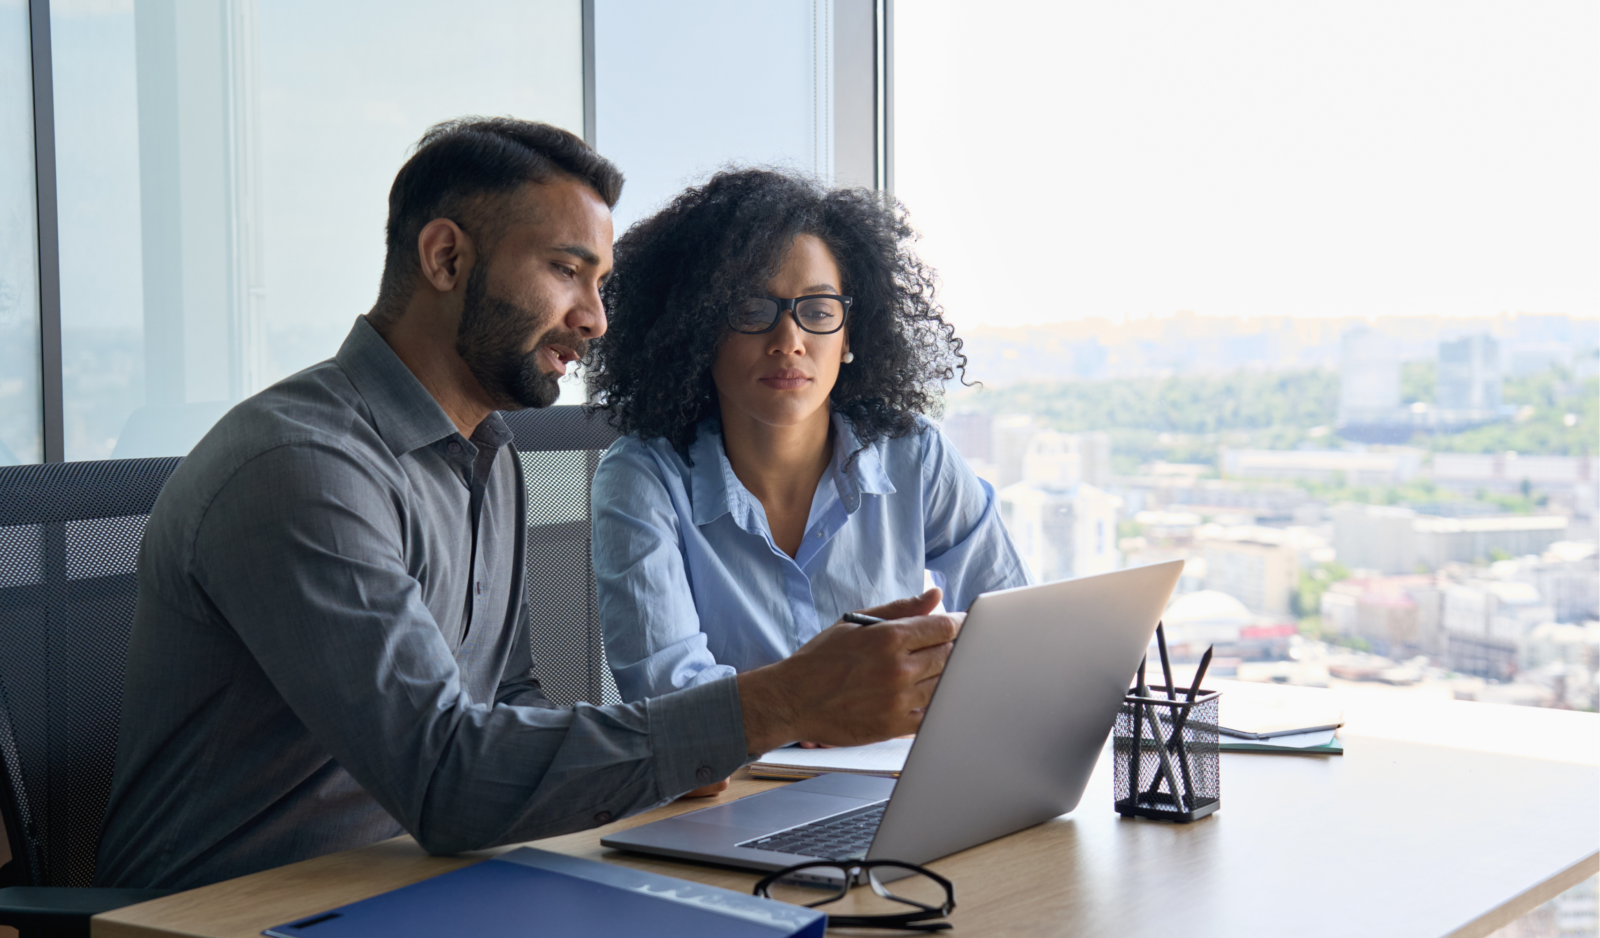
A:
<point x="454" y="448"/>
<point x="703" y="775"/>
<point x="604" y="817"/>
<point x="479" y="585"/>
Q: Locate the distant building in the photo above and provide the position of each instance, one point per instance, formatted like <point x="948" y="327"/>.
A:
<point x="1531" y="358"/>
<point x="1481" y="656"/>
<point x="1257" y="572"/>
<point x="1011" y="434"/>
<point x="1259" y="500"/>
<point x="1483" y="624"/>
<point x="1067" y="458"/>
<point x="1400" y="540"/>
<point x="1094" y="453"/>
<point x="1062" y="532"/>
<point x="1473" y="540"/>
<point x="1052" y="459"/>
<point x="1369" y="377"/>
<point x="1468" y="376"/>
<point x="1570" y="479"/>
<point x="971" y="431"/>
<point x="1576" y="646"/>
<point x="1386" y="467"/>
<point x="1567" y="575"/>
<point x="1209" y="617"/>
<point x="1493" y="609"/>
<point x="1398" y="615"/>
<point x="1020" y="449"/>
<point x="1374" y="537"/>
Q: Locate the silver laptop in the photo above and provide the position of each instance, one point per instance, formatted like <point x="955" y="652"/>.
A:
<point x="1009" y="740"/>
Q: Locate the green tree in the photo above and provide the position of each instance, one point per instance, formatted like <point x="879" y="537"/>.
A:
<point x="1418" y="381"/>
<point x="1307" y="599"/>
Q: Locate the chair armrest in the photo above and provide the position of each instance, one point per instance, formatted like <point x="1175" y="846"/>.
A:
<point x="63" y="910"/>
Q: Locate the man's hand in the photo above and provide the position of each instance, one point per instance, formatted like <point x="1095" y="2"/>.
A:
<point x="851" y="684"/>
<point x="707" y="791"/>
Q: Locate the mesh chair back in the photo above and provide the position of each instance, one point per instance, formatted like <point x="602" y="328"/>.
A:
<point x="560" y="448"/>
<point x="69" y="536"/>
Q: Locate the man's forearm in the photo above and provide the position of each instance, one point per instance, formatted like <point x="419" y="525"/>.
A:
<point x="768" y="713"/>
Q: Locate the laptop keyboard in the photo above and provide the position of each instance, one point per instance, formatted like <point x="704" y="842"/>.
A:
<point x="841" y="837"/>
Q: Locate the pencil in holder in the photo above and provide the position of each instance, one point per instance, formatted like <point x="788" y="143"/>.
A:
<point x="1168" y="764"/>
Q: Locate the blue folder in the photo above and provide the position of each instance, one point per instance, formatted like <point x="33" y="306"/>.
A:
<point x="531" y="892"/>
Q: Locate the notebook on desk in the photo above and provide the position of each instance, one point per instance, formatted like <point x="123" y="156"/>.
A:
<point x="885" y="759"/>
<point x="1260" y="720"/>
<point x="536" y="892"/>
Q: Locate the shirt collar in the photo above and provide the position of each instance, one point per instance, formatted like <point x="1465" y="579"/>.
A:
<point x="405" y="415"/>
<point x="862" y="475"/>
<point x="717" y="491"/>
<point x="711" y="478"/>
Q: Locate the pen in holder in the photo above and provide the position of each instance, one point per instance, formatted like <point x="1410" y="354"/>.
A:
<point x="1168" y="765"/>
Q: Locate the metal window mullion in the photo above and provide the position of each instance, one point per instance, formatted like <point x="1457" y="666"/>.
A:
<point x="44" y="174"/>
<point x="588" y="73"/>
<point x="885" y="93"/>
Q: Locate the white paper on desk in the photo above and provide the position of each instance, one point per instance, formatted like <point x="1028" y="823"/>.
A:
<point x="1292" y="741"/>
<point x="1256" y="718"/>
<point x="885" y="758"/>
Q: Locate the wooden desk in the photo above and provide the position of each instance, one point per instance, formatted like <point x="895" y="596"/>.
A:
<point x="1393" y="838"/>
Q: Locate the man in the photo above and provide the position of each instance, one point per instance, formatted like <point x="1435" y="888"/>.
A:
<point x="330" y="645"/>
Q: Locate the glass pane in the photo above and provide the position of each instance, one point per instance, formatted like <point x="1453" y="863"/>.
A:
<point x="21" y="417"/>
<point x="1328" y="335"/>
<point x="673" y="105"/>
<point x="224" y="175"/>
<point x="97" y="192"/>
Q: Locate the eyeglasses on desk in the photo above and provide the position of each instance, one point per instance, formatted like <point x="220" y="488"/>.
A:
<point x="819" y="882"/>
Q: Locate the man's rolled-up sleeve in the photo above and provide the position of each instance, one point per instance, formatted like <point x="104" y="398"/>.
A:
<point x="302" y="554"/>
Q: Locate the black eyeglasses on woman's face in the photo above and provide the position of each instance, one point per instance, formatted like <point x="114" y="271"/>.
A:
<point x="818" y="314"/>
<point x="819" y="882"/>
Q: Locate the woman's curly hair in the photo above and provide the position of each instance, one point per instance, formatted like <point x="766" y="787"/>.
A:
<point x="678" y="273"/>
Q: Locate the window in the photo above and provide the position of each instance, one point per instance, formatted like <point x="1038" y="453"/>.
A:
<point x="1319" y="281"/>
<point x="684" y="89"/>
<point x="223" y="170"/>
<point x="21" y="416"/>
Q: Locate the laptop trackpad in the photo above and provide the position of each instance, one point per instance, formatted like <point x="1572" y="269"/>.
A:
<point x="795" y="804"/>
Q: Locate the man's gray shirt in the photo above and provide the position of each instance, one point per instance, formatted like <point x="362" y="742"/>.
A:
<point x="321" y="658"/>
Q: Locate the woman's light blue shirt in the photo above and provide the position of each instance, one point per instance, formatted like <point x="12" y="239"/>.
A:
<point x="692" y="587"/>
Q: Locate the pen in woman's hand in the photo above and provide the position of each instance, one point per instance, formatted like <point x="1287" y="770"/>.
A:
<point x="861" y="618"/>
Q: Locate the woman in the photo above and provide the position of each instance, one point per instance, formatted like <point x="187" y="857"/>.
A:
<point x="770" y="350"/>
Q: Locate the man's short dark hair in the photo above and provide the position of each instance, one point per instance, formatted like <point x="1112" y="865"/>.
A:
<point x="460" y="162"/>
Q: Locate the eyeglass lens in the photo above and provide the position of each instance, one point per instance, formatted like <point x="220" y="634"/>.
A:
<point x="820" y="314"/>
<point x="897" y="890"/>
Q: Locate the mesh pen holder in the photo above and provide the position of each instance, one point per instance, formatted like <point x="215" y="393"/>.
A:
<point x="1173" y="771"/>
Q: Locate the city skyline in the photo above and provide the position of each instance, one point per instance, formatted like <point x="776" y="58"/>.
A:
<point x="1188" y="342"/>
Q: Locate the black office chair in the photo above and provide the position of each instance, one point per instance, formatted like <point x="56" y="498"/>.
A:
<point x="69" y="536"/>
<point x="560" y="448"/>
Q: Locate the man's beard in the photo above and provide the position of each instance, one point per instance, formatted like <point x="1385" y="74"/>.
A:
<point x="491" y="338"/>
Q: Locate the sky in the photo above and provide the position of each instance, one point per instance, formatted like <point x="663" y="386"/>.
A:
<point x="1252" y="158"/>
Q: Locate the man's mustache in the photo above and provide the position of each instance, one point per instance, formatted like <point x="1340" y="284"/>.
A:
<point x="571" y="340"/>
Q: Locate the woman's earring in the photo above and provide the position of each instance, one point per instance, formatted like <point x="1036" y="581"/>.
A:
<point x="848" y="357"/>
